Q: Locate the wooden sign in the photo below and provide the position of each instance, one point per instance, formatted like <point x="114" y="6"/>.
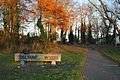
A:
<point x="38" y="57"/>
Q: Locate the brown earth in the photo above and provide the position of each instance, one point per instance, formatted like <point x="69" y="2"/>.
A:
<point x="74" y="48"/>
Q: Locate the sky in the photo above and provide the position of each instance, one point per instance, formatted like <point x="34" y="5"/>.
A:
<point x="81" y="1"/>
<point x="86" y="1"/>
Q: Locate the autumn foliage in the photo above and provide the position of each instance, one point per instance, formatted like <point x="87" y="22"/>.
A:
<point x="53" y="14"/>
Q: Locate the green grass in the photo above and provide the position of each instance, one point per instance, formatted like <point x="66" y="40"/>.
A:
<point x="71" y="68"/>
<point x="113" y="53"/>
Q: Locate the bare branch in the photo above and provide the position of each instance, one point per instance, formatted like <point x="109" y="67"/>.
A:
<point x="114" y="14"/>
<point x="97" y="8"/>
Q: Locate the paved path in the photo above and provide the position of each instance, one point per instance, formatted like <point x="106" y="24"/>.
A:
<point x="100" y="68"/>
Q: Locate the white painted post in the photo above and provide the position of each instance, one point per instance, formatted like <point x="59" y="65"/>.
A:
<point x="53" y="62"/>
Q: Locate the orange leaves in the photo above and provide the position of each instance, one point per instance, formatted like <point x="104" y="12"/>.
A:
<point x="0" y="2"/>
<point x="48" y="6"/>
<point x="54" y="12"/>
<point x="8" y="3"/>
<point x="72" y="14"/>
<point x="54" y="22"/>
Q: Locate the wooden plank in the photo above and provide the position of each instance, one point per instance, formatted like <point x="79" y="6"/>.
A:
<point x="37" y="57"/>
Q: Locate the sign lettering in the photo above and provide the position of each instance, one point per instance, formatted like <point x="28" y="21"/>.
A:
<point x="38" y="57"/>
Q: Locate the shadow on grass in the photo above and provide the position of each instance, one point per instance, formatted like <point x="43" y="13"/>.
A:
<point x="70" y="68"/>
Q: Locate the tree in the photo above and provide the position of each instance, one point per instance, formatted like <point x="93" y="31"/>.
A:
<point x="12" y="14"/>
<point x="9" y="9"/>
<point x="106" y="16"/>
<point x="55" y="14"/>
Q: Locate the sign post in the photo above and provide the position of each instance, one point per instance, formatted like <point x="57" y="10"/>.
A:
<point x="22" y="62"/>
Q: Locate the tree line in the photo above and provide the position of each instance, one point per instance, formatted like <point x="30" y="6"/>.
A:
<point x="85" y="24"/>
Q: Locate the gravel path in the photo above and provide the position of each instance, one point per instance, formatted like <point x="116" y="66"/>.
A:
<point x="99" y="67"/>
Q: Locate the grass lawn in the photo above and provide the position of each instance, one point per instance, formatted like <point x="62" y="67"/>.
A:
<point x="113" y="53"/>
<point x="70" y="68"/>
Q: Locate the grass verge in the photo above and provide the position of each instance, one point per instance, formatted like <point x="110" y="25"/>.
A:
<point x="113" y="53"/>
<point x="71" y="68"/>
